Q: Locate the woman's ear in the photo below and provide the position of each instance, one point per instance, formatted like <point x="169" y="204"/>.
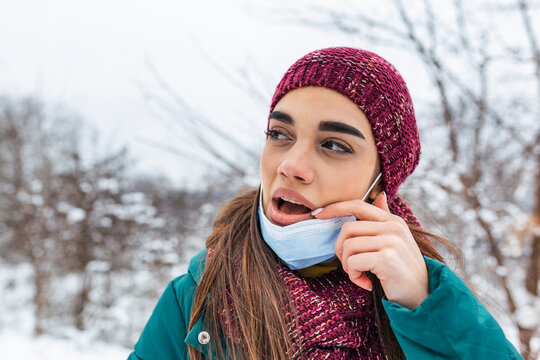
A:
<point x="377" y="189"/>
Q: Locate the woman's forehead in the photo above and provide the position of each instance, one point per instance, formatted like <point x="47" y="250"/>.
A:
<point x="315" y="105"/>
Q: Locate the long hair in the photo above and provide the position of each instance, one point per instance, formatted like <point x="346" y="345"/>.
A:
<point x="241" y="290"/>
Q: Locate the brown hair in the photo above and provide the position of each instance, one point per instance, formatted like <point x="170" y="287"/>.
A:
<point x="244" y="292"/>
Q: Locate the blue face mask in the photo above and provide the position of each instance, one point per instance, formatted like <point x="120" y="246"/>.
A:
<point x="307" y="242"/>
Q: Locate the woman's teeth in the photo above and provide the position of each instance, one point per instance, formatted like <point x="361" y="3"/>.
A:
<point x="294" y="202"/>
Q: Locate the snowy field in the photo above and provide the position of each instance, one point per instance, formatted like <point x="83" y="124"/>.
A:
<point x="19" y="346"/>
<point x="16" y="323"/>
<point x="65" y="342"/>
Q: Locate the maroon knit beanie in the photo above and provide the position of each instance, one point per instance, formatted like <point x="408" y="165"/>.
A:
<point x="380" y="92"/>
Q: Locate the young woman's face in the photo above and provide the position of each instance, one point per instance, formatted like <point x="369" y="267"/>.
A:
<point x="320" y="150"/>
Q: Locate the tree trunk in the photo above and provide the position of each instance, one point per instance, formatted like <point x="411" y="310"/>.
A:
<point x="81" y="301"/>
<point x="40" y="299"/>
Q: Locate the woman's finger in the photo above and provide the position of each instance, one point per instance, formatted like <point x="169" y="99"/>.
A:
<point x="381" y="201"/>
<point x="357" y="208"/>
<point x="358" y="264"/>
<point x="360" y="244"/>
<point x="357" y="229"/>
<point x="363" y="281"/>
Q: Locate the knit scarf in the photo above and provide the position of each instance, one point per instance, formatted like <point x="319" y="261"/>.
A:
<point x="336" y="318"/>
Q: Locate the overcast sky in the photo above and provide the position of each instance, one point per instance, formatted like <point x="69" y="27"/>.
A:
<point x="93" y="57"/>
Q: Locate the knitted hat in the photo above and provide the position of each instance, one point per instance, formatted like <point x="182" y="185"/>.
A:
<point x="380" y="92"/>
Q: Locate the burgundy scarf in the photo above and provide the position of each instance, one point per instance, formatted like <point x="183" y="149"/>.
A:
<point x="336" y="318"/>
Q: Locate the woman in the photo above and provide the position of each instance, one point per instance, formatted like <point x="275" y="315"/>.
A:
<point x="324" y="260"/>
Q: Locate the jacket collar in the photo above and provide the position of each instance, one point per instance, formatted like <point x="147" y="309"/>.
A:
<point x="197" y="264"/>
<point x="196" y="270"/>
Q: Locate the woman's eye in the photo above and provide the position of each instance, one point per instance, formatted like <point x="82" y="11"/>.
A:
<point x="336" y="146"/>
<point x="276" y="135"/>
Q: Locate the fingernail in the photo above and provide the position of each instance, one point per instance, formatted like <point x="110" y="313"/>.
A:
<point x="316" y="211"/>
<point x="385" y="197"/>
<point x="368" y="281"/>
<point x="370" y="287"/>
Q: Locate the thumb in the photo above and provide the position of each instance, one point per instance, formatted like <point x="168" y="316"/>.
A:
<point x="381" y="201"/>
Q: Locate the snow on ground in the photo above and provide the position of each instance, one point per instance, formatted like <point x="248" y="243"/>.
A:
<point x="17" y="318"/>
<point x="16" y="326"/>
<point x="18" y="346"/>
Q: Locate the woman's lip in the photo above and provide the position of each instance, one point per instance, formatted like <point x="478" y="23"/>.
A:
<point x="282" y="219"/>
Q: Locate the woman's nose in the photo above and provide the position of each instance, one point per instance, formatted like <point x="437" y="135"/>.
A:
<point x="296" y="166"/>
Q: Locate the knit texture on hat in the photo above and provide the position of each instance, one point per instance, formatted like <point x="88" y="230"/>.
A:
<point x="381" y="93"/>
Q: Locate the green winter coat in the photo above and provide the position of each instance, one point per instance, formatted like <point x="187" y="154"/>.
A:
<point x="449" y="324"/>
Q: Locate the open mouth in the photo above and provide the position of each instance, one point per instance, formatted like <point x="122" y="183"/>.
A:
<point x="291" y="207"/>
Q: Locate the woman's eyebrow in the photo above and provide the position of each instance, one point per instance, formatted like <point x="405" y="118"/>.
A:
<point x="281" y="116"/>
<point x="338" y="126"/>
<point x="335" y="126"/>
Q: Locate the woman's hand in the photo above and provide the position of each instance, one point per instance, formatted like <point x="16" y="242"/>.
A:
<point x="382" y="243"/>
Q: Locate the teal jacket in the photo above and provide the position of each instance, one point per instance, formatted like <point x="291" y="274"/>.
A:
<point x="449" y="324"/>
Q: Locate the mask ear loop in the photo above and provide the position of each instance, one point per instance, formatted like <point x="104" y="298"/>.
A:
<point x="372" y="185"/>
<point x="377" y="289"/>
<point x="375" y="283"/>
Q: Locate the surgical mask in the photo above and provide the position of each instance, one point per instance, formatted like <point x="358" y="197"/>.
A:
<point x="307" y="242"/>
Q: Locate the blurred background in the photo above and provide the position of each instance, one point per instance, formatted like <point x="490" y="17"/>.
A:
<point x="125" y="125"/>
